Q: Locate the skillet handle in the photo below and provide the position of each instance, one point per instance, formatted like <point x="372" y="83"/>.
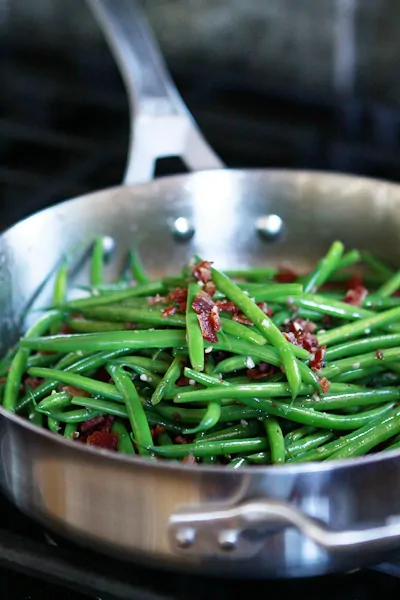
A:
<point x="161" y="125"/>
<point x="240" y="531"/>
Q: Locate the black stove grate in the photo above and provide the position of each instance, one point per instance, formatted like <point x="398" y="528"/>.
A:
<point x="64" y="126"/>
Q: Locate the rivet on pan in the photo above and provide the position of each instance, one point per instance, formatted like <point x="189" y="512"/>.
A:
<point x="185" y="537"/>
<point x="182" y="229"/>
<point x="108" y="245"/>
<point x="270" y="227"/>
<point x="228" y="540"/>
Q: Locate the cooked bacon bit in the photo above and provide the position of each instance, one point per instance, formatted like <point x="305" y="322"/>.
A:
<point x="379" y="355"/>
<point x="45" y="352"/>
<point x="317" y="360"/>
<point x="129" y="325"/>
<point x="103" y="439"/>
<point x="75" y="391"/>
<point x="33" y="382"/>
<point x="180" y="439"/>
<point x="301" y="334"/>
<point x="182" y="381"/>
<point x="177" y="417"/>
<point x="65" y="329"/>
<point x="227" y="306"/>
<point x="178" y="295"/>
<point x="91" y="424"/>
<point x="355" y="296"/>
<point x="327" y="320"/>
<point x="169" y="311"/>
<point x="210" y="288"/>
<point x="355" y="282"/>
<point x="189" y="460"/>
<point x="156" y="431"/>
<point x="157" y="299"/>
<point x="325" y="384"/>
<point x="266" y="310"/>
<point x="3" y="379"/>
<point x="242" y="319"/>
<point x="108" y="423"/>
<point x="202" y="271"/>
<point x="206" y="327"/>
<point x="208" y="315"/>
<point x="285" y="276"/>
<point x="262" y="371"/>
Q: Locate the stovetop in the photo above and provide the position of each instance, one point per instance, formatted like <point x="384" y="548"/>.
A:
<point x="34" y="569"/>
<point x="64" y="132"/>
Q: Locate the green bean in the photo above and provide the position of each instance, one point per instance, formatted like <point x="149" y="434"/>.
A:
<point x="54" y="401"/>
<point x="195" y="339"/>
<point x="378" y="342"/>
<point x="308" y="443"/>
<point x="147" y="289"/>
<point x="93" y="386"/>
<point x="43" y="360"/>
<point x="35" y="417"/>
<point x="91" y="326"/>
<point x="200" y="449"/>
<point x="75" y="363"/>
<point x="369" y="439"/>
<point x="266" y="353"/>
<point x="379" y="267"/>
<point x="332" y="307"/>
<point x="253" y="274"/>
<point x="124" y="441"/>
<point x="259" y="399"/>
<point x="210" y="419"/>
<point x="390" y="286"/>
<point x="53" y="424"/>
<point x="247" y="430"/>
<point x="18" y="364"/>
<point x="5" y="363"/>
<point x="155" y="419"/>
<point x="60" y="292"/>
<point x="259" y="458"/>
<point x="364" y="374"/>
<point x="171" y="375"/>
<point x="298" y="434"/>
<point x="203" y="378"/>
<point x="261" y="390"/>
<point x="133" y="315"/>
<point x="363" y="326"/>
<point x="279" y="292"/>
<point x="96" y="269"/>
<point x="275" y="438"/>
<point x="163" y="439"/>
<point x="75" y="416"/>
<point x="360" y="361"/>
<point x="265" y="326"/>
<point x="151" y="364"/>
<point x="113" y="340"/>
<point x="236" y="363"/>
<point x="325" y="267"/>
<point x="351" y="257"/>
<point x="194" y="415"/>
<point x="134" y="407"/>
<point x="70" y="431"/>
<point x="242" y="331"/>
<point x="137" y="269"/>
<point x="103" y="406"/>
<point x="350" y="399"/>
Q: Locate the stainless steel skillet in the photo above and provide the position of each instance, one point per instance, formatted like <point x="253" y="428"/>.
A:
<point x="266" y="522"/>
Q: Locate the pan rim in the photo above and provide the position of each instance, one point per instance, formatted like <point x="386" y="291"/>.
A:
<point x="143" y="462"/>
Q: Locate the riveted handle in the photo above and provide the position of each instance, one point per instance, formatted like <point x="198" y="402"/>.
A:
<point x="240" y="531"/>
<point x="161" y="125"/>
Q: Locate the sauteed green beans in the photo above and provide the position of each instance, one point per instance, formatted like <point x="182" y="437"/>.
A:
<point x="239" y="367"/>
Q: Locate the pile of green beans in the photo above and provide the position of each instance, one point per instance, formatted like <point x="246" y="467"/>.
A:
<point x="301" y="371"/>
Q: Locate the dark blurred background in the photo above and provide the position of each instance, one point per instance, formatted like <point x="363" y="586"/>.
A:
<point x="283" y="83"/>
